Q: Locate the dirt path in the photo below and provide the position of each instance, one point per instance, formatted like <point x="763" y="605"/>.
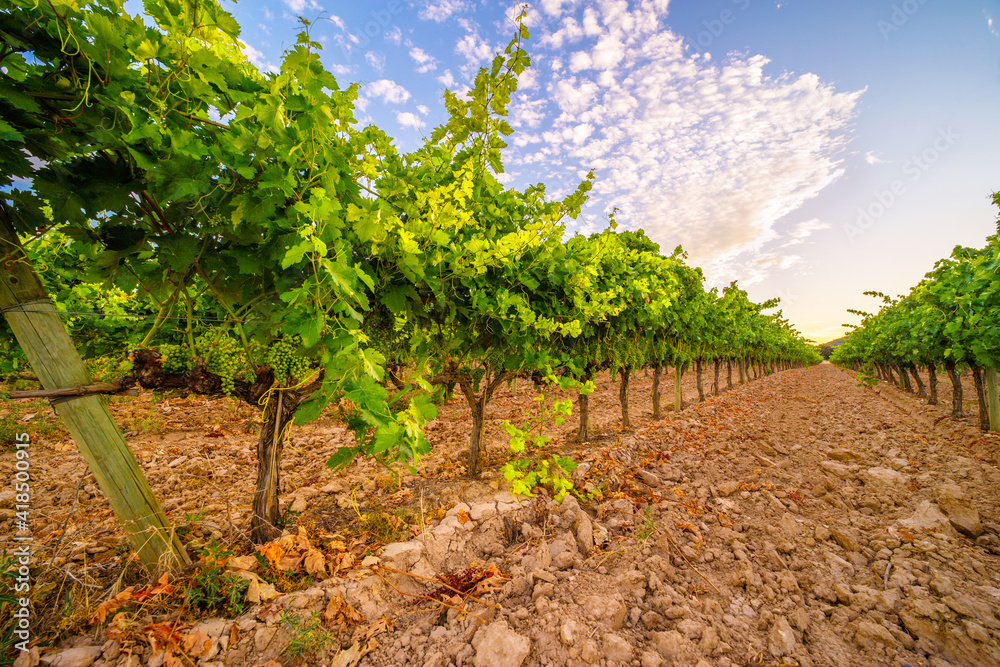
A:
<point x="799" y="520"/>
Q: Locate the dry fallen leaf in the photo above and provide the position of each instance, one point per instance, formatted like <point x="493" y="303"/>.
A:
<point x="350" y="657"/>
<point x="315" y="562"/>
<point x="197" y="644"/>
<point x="273" y="552"/>
<point x="463" y="516"/>
<point x="162" y="586"/>
<point x="259" y="590"/>
<point x="338" y="612"/>
<point x="110" y="606"/>
<point x="370" y="561"/>
<point x="241" y="563"/>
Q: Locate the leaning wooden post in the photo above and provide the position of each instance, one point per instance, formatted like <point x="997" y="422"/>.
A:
<point x="992" y="398"/>
<point x="54" y="359"/>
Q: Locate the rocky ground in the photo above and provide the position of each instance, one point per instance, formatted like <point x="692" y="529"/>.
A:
<point x="798" y="520"/>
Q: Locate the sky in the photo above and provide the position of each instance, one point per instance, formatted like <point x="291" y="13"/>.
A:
<point x="810" y="150"/>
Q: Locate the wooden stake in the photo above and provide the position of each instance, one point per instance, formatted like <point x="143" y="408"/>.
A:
<point x="992" y="398"/>
<point x="54" y="359"/>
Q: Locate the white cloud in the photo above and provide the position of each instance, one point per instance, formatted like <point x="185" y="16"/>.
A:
<point x="376" y="60"/>
<point x="257" y="58"/>
<point x="387" y="90"/>
<point x="447" y="79"/>
<point x="341" y="70"/>
<point x="394" y="35"/>
<point x="299" y="6"/>
<point x="412" y="120"/>
<point x="871" y="158"/>
<point x="709" y="155"/>
<point x="580" y="61"/>
<point x="425" y="61"/>
<point x="337" y="21"/>
<point x="423" y="110"/>
<point x="474" y="49"/>
<point x="442" y="10"/>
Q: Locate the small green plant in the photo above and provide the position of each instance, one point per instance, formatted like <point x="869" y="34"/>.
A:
<point x="105" y="369"/>
<point x="646" y="530"/>
<point x="525" y="474"/>
<point x="306" y="634"/>
<point x="212" y="589"/>
<point x="866" y="377"/>
<point x="9" y="429"/>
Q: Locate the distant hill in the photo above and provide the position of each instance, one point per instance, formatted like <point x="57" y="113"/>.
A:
<point x="826" y="349"/>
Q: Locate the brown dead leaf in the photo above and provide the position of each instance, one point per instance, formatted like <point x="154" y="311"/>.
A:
<point x="162" y="586"/>
<point x="111" y="606"/>
<point x="272" y="663"/>
<point x="302" y="539"/>
<point x="463" y="516"/>
<point x="259" y="590"/>
<point x="197" y="644"/>
<point x="121" y="628"/>
<point x="350" y="657"/>
<point x="370" y="561"/>
<point x="273" y="552"/>
<point x="343" y="562"/>
<point x="372" y="629"/>
<point x="315" y="562"/>
<point x="339" y="612"/>
<point x="241" y="563"/>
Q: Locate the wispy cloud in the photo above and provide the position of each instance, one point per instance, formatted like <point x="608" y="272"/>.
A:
<point x="299" y="6"/>
<point x="256" y="57"/>
<point x="425" y="61"/>
<point x="710" y="155"/>
<point x="442" y="10"/>
<point x="376" y="60"/>
<point x="871" y="158"/>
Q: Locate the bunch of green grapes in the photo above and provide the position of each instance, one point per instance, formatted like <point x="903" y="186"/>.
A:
<point x="222" y="356"/>
<point x="286" y="363"/>
<point x="174" y="359"/>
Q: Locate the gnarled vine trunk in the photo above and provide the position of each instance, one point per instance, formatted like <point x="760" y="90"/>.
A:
<point x="624" y="371"/>
<point x="657" y="373"/>
<point x="265" y="525"/>
<point x="921" y="392"/>
<point x="956" y="389"/>
<point x="477" y="405"/>
<point x="701" y="389"/>
<point x="729" y="373"/>
<point x="715" y="384"/>
<point x="984" y="415"/>
<point x="932" y="383"/>
<point x="904" y="376"/>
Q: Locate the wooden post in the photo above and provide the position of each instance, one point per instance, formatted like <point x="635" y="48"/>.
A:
<point x="54" y="359"/>
<point x="992" y="398"/>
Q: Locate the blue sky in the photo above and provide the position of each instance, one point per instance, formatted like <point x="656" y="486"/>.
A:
<point x="810" y="150"/>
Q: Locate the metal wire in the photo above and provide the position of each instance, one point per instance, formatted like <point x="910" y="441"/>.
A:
<point x="138" y="317"/>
